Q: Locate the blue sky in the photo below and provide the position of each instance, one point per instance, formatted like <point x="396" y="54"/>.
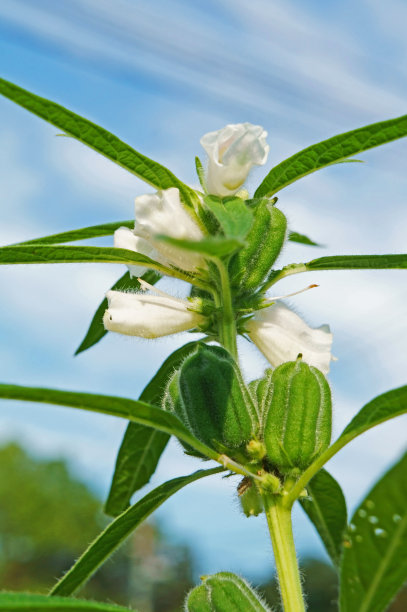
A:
<point x="160" y="74"/>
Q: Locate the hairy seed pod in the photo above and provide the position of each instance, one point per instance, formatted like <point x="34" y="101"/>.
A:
<point x="297" y="425"/>
<point x="209" y="396"/>
<point x="224" y="592"/>
<point x="250" y="266"/>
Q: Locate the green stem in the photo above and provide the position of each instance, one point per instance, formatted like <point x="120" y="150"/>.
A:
<point x="227" y="323"/>
<point x="280" y="527"/>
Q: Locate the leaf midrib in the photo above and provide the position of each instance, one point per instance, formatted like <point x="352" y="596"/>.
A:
<point x="383" y="566"/>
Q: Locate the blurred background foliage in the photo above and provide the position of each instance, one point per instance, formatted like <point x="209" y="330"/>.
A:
<point x="47" y="518"/>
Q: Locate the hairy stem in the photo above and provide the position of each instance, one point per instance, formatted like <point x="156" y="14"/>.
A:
<point x="280" y="527"/>
<point x="227" y="323"/>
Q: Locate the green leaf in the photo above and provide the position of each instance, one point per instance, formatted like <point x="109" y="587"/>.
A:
<point x="97" y="138"/>
<point x="234" y="216"/>
<point x="96" y="330"/>
<point x="302" y="239"/>
<point x="374" y="564"/>
<point x="214" y="246"/>
<point x="118" y="530"/>
<point x="142" y="446"/>
<point x="131" y="410"/>
<point x="326" y="508"/>
<point x="224" y="592"/>
<point x="358" y="262"/>
<point x="330" y="151"/>
<point x="382" y="408"/>
<point x="84" y="233"/>
<point x="29" y="602"/>
<point x="339" y="262"/>
<point x="74" y="254"/>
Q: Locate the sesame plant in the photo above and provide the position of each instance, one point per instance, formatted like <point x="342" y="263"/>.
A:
<point x="272" y="434"/>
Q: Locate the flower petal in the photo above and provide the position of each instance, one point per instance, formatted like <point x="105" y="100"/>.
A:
<point x="148" y="316"/>
<point x="281" y="335"/>
<point x="124" y="238"/>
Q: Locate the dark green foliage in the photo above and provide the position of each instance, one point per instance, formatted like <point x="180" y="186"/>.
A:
<point x="297" y="426"/>
<point x="209" y="396"/>
<point x="250" y="266"/>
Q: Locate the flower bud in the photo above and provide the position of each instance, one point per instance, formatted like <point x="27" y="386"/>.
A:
<point x="264" y="241"/>
<point x="232" y="152"/>
<point x="148" y="316"/>
<point x="224" y="592"/>
<point x="209" y="396"/>
<point x="297" y="424"/>
<point x="249" y="497"/>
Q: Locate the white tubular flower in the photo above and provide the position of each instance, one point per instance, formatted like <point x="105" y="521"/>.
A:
<point x="164" y="213"/>
<point x="148" y="316"/>
<point x="124" y="238"/>
<point x="232" y="152"/>
<point x="281" y="335"/>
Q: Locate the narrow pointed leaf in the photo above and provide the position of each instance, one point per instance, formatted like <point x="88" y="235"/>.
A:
<point x="327" y="152"/>
<point x="96" y="330"/>
<point x="119" y="529"/>
<point x="340" y="262"/>
<point x="97" y="138"/>
<point x="302" y="239"/>
<point x="326" y="508"/>
<point x="141" y="447"/>
<point x="37" y="254"/>
<point x="359" y="262"/>
<point x="84" y="233"/>
<point x="29" y="602"/>
<point x="374" y="564"/>
<point x="214" y="246"/>
<point x="131" y="410"/>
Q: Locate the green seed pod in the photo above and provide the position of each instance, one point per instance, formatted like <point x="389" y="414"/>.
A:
<point x="250" y="266"/>
<point x="297" y="425"/>
<point x="224" y="592"/>
<point x="209" y="396"/>
<point x="249" y="497"/>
